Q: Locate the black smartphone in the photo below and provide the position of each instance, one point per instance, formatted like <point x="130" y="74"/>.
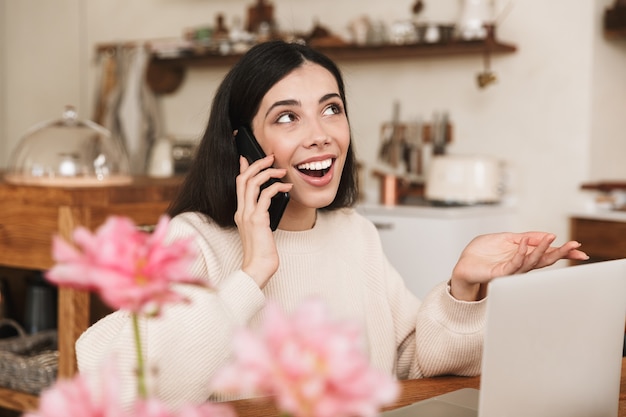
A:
<point x="248" y="147"/>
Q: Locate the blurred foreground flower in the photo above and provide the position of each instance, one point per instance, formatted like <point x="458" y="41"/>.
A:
<point x="129" y="269"/>
<point x="314" y="367"/>
<point x="77" y="398"/>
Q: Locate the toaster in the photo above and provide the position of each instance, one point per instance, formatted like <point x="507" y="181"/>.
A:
<point x="464" y="180"/>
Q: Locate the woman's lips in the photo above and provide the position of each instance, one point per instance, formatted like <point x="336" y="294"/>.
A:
<point x="317" y="173"/>
<point x="316" y="168"/>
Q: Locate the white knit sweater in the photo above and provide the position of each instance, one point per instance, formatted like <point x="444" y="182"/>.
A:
<point x="340" y="260"/>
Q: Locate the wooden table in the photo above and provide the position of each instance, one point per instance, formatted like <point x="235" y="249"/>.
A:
<point x="412" y="391"/>
<point x="29" y="217"/>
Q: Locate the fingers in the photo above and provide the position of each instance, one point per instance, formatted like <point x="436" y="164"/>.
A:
<point x="569" y="251"/>
<point x="260" y="257"/>
<point x="252" y="203"/>
<point x="495" y="255"/>
<point x="544" y="255"/>
<point x="517" y="261"/>
<point x="540" y="254"/>
<point x="577" y="255"/>
<point x="535" y="238"/>
<point x="532" y="248"/>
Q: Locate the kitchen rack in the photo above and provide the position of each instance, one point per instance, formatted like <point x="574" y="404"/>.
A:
<point x="165" y="74"/>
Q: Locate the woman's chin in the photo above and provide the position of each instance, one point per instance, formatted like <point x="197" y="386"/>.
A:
<point x="315" y="202"/>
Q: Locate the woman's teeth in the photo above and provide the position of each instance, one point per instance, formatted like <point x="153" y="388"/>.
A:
<point x="318" y="168"/>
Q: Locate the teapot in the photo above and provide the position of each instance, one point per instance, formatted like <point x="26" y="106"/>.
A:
<point x="477" y="14"/>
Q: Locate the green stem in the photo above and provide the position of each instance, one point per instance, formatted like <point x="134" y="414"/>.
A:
<point x="141" y="371"/>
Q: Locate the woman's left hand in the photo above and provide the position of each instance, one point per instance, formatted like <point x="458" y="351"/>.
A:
<point x="495" y="255"/>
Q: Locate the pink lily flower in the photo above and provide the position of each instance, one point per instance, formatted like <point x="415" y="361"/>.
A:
<point x="313" y="366"/>
<point x="77" y="398"/>
<point x="128" y="268"/>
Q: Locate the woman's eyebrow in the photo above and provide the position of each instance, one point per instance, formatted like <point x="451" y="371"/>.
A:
<point x="328" y="96"/>
<point x="293" y="102"/>
<point x="283" y="103"/>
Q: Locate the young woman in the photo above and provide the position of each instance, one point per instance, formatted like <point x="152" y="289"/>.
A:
<point x="292" y="98"/>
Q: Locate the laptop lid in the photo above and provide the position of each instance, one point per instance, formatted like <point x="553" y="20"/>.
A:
<point x="553" y="347"/>
<point x="553" y="342"/>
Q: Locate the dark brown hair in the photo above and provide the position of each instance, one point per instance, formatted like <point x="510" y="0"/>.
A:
<point x="209" y="186"/>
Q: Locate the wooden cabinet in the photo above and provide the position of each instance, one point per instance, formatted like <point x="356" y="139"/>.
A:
<point x="31" y="215"/>
<point x="602" y="239"/>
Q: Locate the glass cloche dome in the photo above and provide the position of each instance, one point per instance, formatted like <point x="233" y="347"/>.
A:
<point x="68" y="152"/>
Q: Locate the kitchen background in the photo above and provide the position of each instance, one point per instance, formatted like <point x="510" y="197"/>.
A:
<point x="556" y="114"/>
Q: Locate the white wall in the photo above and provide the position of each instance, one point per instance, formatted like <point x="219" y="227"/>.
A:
<point x="555" y="113"/>
<point x="607" y="147"/>
<point x="3" y="143"/>
<point x="41" y="63"/>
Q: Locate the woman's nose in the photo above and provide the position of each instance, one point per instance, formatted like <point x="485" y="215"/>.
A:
<point x="318" y="135"/>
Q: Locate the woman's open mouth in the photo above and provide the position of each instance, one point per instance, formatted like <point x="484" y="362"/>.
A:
<point x="317" y="168"/>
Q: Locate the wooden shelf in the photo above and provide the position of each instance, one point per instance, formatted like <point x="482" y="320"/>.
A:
<point x="166" y="74"/>
<point x="31" y="215"/>
<point x="18" y="401"/>
<point x="615" y="34"/>
<point x="615" y="21"/>
<point x="604" y="186"/>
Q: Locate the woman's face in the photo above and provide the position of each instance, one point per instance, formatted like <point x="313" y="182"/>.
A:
<point x="302" y="121"/>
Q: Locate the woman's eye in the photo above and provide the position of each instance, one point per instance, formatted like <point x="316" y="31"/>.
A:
<point x="286" y="118"/>
<point x="332" y="109"/>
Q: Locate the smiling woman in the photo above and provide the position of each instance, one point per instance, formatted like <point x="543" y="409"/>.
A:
<point x="271" y="96"/>
<point x="292" y="97"/>
<point x="302" y="122"/>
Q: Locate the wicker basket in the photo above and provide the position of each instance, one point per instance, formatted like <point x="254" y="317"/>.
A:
<point x="28" y="363"/>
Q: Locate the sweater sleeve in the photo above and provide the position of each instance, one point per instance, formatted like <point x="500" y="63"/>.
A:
<point x="448" y="335"/>
<point x="184" y="347"/>
<point x="438" y="336"/>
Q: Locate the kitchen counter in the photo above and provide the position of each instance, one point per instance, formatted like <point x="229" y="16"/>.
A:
<point x="602" y="233"/>
<point x="426" y="210"/>
<point x="601" y="226"/>
<point x="606" y="215"/>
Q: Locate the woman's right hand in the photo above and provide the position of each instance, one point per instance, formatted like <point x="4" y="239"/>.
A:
<point x="260" y="257"/>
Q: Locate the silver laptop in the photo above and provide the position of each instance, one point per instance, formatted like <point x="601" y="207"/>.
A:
<point x="553" y="347"/>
